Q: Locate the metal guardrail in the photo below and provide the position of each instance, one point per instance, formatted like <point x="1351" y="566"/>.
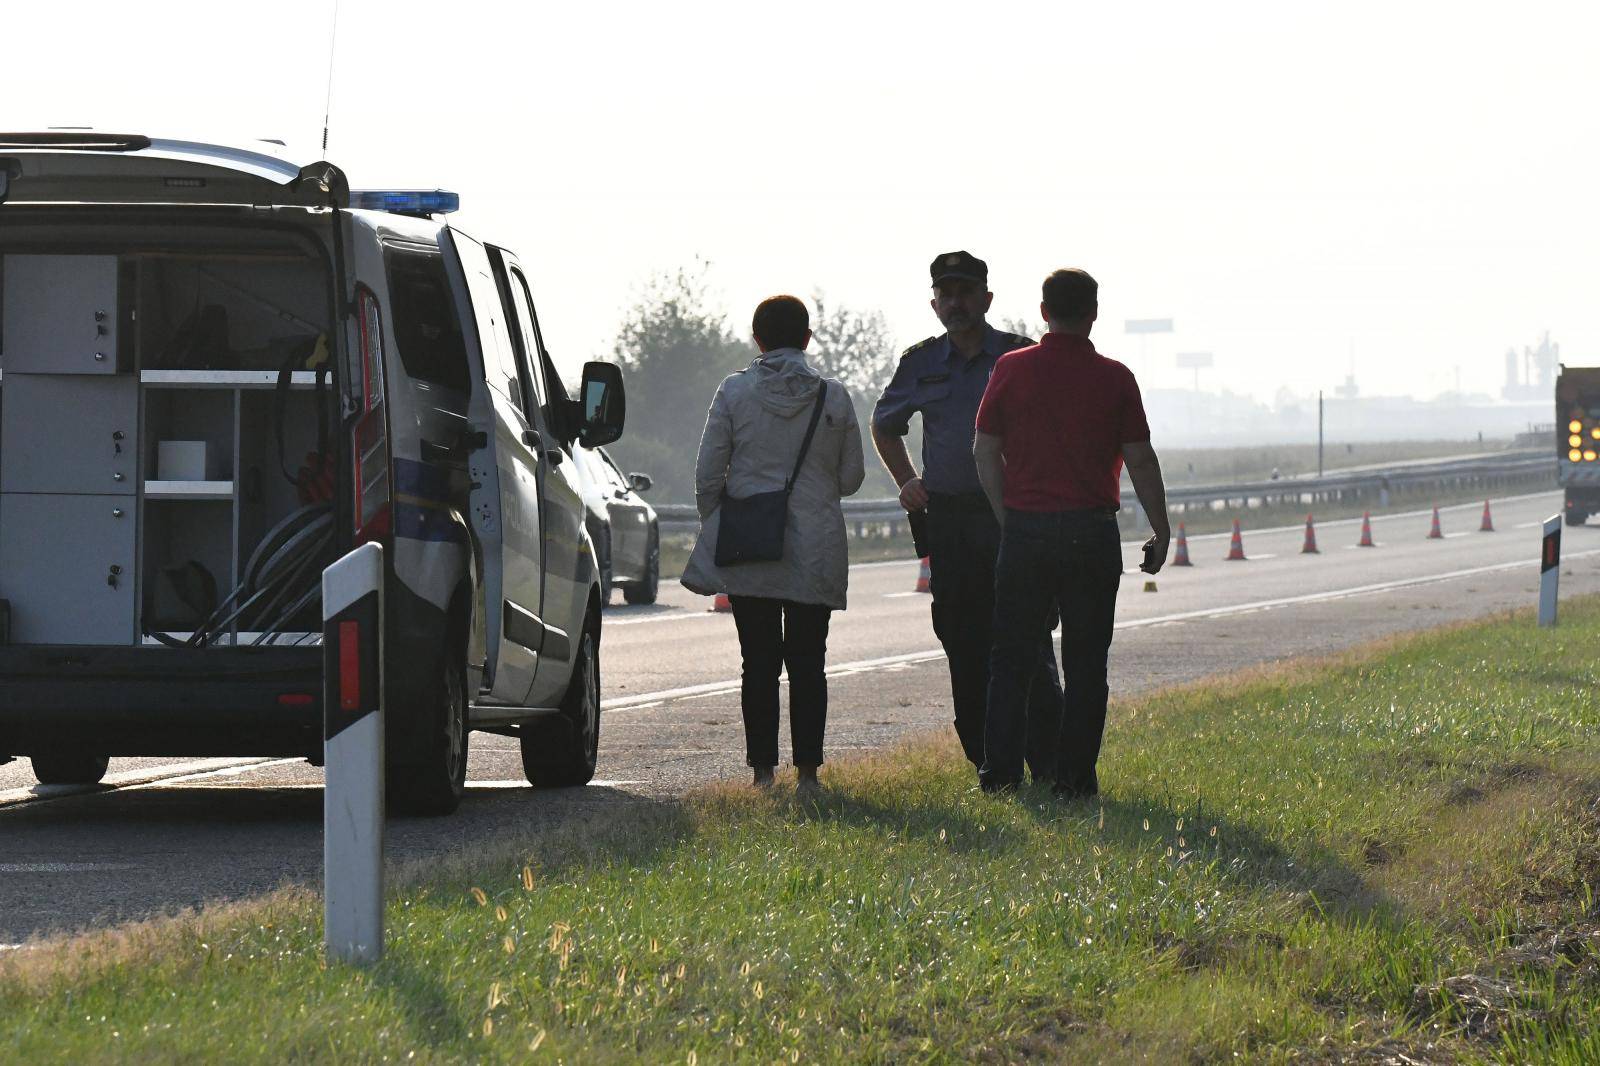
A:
<point x="1374" y="484"/>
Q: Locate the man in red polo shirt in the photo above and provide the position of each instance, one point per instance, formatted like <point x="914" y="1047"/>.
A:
<point x="1056" y="424"/>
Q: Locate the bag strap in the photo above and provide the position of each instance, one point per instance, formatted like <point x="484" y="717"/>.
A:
<point x="811" y="431"/>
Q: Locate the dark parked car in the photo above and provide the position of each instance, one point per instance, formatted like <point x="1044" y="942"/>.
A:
<point x="626" y="534"/>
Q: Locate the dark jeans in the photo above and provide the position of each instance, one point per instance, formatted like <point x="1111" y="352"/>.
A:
<point x="963" y="544"/>
<point x="774" y="634"/>
<point x="1073" y="560"/>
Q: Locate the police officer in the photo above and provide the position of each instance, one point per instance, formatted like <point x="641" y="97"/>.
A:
<point x="943" y="379"/>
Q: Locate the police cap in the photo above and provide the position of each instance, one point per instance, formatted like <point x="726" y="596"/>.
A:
<point x="959" y="265"/>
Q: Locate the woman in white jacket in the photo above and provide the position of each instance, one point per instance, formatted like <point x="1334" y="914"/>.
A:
<point x="754" y="433"/>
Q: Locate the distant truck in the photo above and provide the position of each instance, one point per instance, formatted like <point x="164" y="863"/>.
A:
<point x="1578" y="440"/>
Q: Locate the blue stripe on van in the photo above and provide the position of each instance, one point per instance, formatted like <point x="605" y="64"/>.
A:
<point x="422" y="480"/>
<point x="416" y="522"/>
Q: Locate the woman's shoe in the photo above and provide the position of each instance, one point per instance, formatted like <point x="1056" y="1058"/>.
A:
<point x="764" y="776"/>
<point x="807" y="782"/>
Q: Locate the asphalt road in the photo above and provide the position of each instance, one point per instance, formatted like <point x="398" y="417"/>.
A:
<point x="172" y="833"/>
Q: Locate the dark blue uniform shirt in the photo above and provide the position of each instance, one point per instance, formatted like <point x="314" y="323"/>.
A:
<point x="934" y="380"/>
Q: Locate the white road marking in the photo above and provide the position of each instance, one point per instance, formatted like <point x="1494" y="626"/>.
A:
<point x="901" y="595"/>
<point x="60" y="867"/>
<point x="1527" y="525"/>
<point x="224" y="771"/>
<point x="717" y="688"/>
<point x="124" y="778"/>
<point x="682" y="614"/>
<point x="516" y="784"/>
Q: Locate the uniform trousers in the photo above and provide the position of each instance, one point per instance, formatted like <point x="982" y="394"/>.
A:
<point x="1071" y="560"/>
<point x="776" y="635"/>
<point x="963" y="544"/>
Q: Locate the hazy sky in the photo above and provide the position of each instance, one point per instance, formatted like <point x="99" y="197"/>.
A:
<point x="1415" y="183"/>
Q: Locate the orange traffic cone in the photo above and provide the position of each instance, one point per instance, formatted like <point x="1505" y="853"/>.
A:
<point x="924" y="576"/>
<point x="1310" y="546"/>
<point x="1182" y="557"/>
<point x="1366" y="531"/>
<point x="1435" y="533"/>
<point x="722" y="604"/>
<point x="1487" y="526"/>
<point x="1236" y="546"/>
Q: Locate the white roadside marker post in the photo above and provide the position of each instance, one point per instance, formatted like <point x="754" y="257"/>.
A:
<point x="352" y="717"/>
<point x="1549" y="570"/>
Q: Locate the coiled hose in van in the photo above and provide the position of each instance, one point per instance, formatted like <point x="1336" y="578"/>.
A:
<point x="283" y="577"/>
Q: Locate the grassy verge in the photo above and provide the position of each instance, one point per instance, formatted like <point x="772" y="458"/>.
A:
<point x="1391" y="853"/>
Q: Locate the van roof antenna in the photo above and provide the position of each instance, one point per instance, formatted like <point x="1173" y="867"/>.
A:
<point x="327" y="103"/>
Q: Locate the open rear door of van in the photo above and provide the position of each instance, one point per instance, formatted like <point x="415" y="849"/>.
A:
<point x="84" y="166"/>
<point x="511" y="635"/>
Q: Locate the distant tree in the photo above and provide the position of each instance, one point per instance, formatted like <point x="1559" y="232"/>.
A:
<point x="1021" y="326"/>
<point x="854" y="346"/>
<point x="675" y="348"/>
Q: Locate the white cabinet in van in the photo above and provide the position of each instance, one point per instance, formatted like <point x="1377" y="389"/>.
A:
<point x="61" y="314"/>
<point x="68" y="433"/>
<point x="67" y="567"/>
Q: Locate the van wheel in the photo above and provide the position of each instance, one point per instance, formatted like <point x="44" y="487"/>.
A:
<point x="561" y="752"/>
<point x="1576" y="518"/>
<point x="62" y="768"/>
<point x="434" y="786"/>
<point x="646" y="591"/>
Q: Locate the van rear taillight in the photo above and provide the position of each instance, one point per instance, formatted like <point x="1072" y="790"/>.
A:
<point x="369" y="438"/>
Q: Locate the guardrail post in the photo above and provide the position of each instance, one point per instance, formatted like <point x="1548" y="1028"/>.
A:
<point x="352" y="716"/>
<point x="1549" y="570"/>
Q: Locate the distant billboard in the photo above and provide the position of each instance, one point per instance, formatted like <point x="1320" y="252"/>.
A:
<point x="1194" y="360"/>
<point x="1148" y="325"/>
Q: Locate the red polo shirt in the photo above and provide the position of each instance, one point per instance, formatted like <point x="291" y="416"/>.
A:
<point x="1062" y="412"/>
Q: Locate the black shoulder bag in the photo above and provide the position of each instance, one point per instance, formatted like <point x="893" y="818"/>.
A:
<point x="753" y="526"/>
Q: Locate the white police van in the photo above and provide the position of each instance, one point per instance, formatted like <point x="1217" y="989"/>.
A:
<point x="219" y="371"/>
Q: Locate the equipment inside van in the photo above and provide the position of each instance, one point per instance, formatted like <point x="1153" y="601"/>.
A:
<point x="221" y="370"/>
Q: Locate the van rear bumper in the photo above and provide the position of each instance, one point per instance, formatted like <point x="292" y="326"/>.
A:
<point x="161" y="701"/>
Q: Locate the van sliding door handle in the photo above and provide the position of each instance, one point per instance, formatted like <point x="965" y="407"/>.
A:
<point x="464" y="446"/>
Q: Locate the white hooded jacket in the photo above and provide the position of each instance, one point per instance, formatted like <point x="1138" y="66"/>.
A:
<point x="753" y="434"/>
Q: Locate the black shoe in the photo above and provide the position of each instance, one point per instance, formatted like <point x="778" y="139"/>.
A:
<point x="999" y="788"/>
<point x="806" y="783"/>
<point x="1069" y="794"/>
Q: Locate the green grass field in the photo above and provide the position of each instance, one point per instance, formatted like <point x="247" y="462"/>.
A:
<point x="1387" y="856"/>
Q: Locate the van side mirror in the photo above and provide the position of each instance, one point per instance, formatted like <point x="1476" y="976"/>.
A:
<point x="602" y="404"/>
<point x="640" y="482"/>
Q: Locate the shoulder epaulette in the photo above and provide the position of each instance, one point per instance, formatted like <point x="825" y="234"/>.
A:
<point x="917" y="347"/>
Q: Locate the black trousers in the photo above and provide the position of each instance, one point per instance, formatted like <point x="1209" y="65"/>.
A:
<point x="773" y="635"/>
<point x="1071" y="560"/>
<point x="963" y="545"/>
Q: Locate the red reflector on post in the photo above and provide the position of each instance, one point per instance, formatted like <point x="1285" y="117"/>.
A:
<point x="350" y="666"/>
<point x="296" y="699"/>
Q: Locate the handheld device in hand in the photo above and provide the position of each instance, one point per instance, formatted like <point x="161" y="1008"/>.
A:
<point x="1148" y="566"/>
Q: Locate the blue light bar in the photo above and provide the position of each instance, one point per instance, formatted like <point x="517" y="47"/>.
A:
<point x="420" y="202"/>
